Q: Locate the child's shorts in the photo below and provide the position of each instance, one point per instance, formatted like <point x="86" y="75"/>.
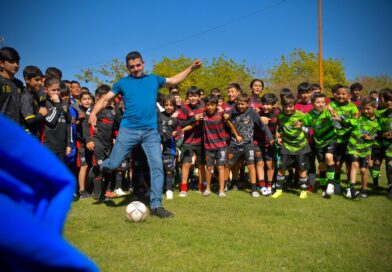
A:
<point x="293" y="161"/>
<point x="247" y="153"/>
<point x="189" y="150"/>
<point x="217" y="155"/>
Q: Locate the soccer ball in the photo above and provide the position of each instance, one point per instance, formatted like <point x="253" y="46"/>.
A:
<point x="136" y="211"/>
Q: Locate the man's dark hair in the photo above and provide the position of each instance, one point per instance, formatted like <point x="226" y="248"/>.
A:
<point x="133" y="55"/>
<point x="53" y="72"/>
<point x="9" y="54"/>
<point x="269" y="99"/>
<point x="31" y="71"/>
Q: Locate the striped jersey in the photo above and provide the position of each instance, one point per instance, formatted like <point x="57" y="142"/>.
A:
<point x="321" y="122"/>
<point x="347" y="113"/>
<point x="187" y="117"/>
<point x="293" y="139"/>
<point x="357" y="145"/>
<point x="214" y="131"/>
<point x="385" y="121"/>
<point x="261" y="138"/>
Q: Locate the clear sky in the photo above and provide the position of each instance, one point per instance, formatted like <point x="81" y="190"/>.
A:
<point x="76" y="34"/>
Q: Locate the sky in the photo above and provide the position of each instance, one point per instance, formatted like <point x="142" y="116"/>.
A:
<point x="79" y="34"/>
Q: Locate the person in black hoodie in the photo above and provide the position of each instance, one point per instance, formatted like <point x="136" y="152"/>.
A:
<point x="56" y="134"/>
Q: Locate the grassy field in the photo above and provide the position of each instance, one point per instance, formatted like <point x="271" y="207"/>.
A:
<point x="239" y="233"/>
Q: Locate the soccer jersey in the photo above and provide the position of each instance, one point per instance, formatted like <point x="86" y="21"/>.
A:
<point x="293" y="139"/>
<point x="245" y="123"/>
<point x="10" y="92"/>
<point x="385" y="122"/>
<point x="214" y="131"/>
<point x="255" y="102"/>
<point x="357" y="145"/>
<point x="31" y="118"/>
<point x="321" y="123"/>
<point x="358" y="102"/>
<point x="166" y="126"/>
<point x="259" y="137"/>
<point x="187" y="117"/>
<point x="347" y="112"/>
<point x="304" y="107"/>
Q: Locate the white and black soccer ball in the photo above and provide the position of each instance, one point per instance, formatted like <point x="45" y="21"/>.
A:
<point x="136" y="211"/>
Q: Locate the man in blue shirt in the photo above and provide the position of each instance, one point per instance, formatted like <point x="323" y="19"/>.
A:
<point x="139" y="123"/>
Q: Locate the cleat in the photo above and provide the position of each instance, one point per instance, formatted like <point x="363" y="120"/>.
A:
<point x="119" y="192"/>
<point x="264" y="191"/>
<point x="303" y="195"/>
<point x="183" y="194"/>
<point x="84" y="194"/>
<point x="330" y="189"/>
<point x="278" y="193"/>
<point x="110" y="194"/>
<point x="255" y="194"/>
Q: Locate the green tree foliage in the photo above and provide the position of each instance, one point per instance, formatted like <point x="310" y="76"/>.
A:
<point x="217" y="73"/>
<point x="374" y="83"/>
<point x="300" y="66"/>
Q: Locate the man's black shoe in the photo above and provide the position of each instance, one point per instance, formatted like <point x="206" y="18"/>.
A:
<point x="95" y="171"/>
<point x="161" y="212"/>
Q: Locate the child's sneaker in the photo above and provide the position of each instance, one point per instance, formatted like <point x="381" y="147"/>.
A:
<point x="183" y="194"/>
<point x="169" y="194"/>
<point x="222" y="194"/>
<point x="264" y="191"/>
<point x="303" y="195"/>
<point x="110" y="194"/>
<point x="325" y="194"/>
<point x="84" y="194"/>
<point x="206" y="192"/>
<point x="255" y="194"/>
<point x="348" y="193"/>
<point x="278" y="193"/>
<point x="363" y="194"/>
<point x="330" y="189"/>
<point x="119" y="192"/>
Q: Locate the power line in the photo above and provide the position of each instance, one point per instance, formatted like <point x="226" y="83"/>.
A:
<point x="193" y="35"/>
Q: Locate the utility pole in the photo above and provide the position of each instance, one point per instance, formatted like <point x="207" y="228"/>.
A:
<point x="320" y="43"/>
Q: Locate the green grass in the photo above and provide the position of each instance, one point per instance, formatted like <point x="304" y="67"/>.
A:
<point x="239" y="233"/>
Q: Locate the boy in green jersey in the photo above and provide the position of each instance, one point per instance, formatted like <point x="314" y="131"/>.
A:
<point x="384" y="149"/>
<point x="294" y="145"/>
<point x="321" y="121"/>
<point x="360" y="144"/>
<point x="342" y="108"/>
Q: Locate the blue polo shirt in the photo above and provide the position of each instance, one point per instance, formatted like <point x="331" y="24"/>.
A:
<point x="140" y="96"/>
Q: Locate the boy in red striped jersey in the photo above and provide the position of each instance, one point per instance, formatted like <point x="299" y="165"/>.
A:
<point x="214" y="137"/>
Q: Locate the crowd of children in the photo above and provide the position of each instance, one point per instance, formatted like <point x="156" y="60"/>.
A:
<point x="206" y="142"/>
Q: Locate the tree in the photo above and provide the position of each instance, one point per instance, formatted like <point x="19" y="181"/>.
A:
<point x="300" y="66"/>
<point x="375" y="83"/>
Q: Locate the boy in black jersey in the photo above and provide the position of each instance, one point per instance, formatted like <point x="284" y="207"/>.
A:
<point x="100" y="140"/>
<point x="30" y="105"/>
<point x="57" y="130"/>
<point x="10" y="87"/>
<point x="245" y="121"/>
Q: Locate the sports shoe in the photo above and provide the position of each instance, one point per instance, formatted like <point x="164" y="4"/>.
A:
<point x="330" y="189"/>
<point x="325" y="194"/>
<point x="255" y="194"/>
<point x="278" y="193"/>
<point x="222" y="194"/>
<point x="110" y="194"/>
<point x="264" y="191"/>
<point x="84" y="194"/>
<point x="348" y="193"/>
<point x="206" y="192"/>
<point x="183" y="194"/>
<point x="363" y="194"/>
<point x="161" y="212"/>
<point x="169" y="194"/>
<point x="119" y="192"/>
<point x="95" y="171"/>
<point x="303" y="195"/>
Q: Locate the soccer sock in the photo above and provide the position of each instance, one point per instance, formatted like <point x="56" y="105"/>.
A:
<point x="261" y="183"/>
<point x="279" y="182"/>
<point x="323" y="180"/>
<point x="184" y="187"/>
<point x="330" y="172"/>
<point x="375" y="173"/>
<point x="302" y="183"/>
<point x="119" y="179"/>
<point x="253" y="186"/>
<point x="312" y="178"/>
<point x="269" y="184"/>
<point x="98" y="186"/>
<point x="169" y="181"/>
